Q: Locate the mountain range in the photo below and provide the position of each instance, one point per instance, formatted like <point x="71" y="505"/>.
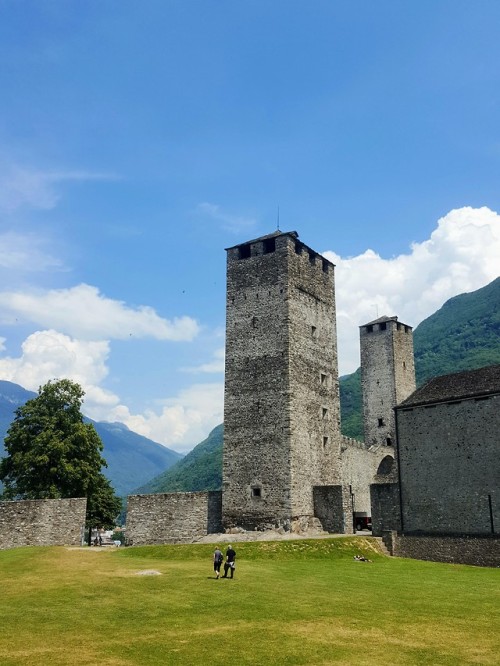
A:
<point x="462" y="335"/>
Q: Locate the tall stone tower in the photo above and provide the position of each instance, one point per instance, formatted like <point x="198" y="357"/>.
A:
<point x="387" y="376"/>
<point x="282" y="410"/>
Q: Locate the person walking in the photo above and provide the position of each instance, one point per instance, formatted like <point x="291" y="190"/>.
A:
<point x="229" y="564"/>
<point x="218" y="559"/>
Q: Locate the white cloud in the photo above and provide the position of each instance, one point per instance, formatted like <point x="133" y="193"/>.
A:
<point x="184" y="420"/>
<point x="462" y="254"/>
<point x="229" y="222"/>
<point x="26" y="252"/>
<point x="49" y="354"/>
<point x="215" y="365"/>
<point x="83" y="312"/>
<point x="33" y="188"/>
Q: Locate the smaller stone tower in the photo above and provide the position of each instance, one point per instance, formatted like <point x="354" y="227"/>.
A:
<point x="387" y="376"/>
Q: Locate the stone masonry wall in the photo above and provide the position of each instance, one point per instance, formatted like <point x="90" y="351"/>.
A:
<point x="450" y="467"/>
<point x="51" y="522"/>
<point x="477" y="551"/>
<point x="172" y="517"/>
<point x="385" y="509"/>
<point x="332" y="508"/>
<point x="387" y="377"/>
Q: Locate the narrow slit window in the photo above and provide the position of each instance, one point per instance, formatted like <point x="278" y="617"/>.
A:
<point x="323" y="378"/>
<point x="256" y="492"/>
<point x="381" y="423"/>
<point x="314" y="331"/>
<point x="325" y="442"/>
<point x="324" y="412"/>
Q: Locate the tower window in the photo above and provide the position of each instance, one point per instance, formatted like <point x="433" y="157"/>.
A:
<point x="325" y="442"/>
<point x="325" y="266"/>
<point x="369" y="329"/>
<point x="314" y="333"/>
<point x="256" y="492"/>
<point x="324" y="412"/>
<point x="269" y="245"/>
<point x="244" y="251"/>
<point x="382" y="326"/>
<point x="388" y="441"/>
<point x="381" y="423"/>
<point x="312" y="258"/>
<point x="254" y="322"/>
<point x="323" y="378"/>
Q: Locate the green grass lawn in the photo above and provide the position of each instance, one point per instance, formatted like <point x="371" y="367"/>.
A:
<point x="291" y="602"/>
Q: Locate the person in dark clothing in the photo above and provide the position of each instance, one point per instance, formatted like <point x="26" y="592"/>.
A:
<point x="229" y="564"/>
<point x="218" y="559"/>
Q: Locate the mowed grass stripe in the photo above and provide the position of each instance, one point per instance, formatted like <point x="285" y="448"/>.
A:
<point x="293" y="602"/>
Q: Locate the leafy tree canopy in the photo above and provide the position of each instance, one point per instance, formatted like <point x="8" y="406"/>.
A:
<point x="52" y="453"/>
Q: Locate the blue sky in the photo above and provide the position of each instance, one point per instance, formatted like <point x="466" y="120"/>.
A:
<point x="138" y="140"/>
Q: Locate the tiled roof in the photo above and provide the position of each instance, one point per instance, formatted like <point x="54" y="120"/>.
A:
<point x="459" y="385"/>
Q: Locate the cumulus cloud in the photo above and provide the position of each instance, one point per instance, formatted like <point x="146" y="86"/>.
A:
<point x="50" y="354"/>
<point x="26" y="252"/>
<point x="34" y="188"/>
<point x="83" y="312"/>
<point x="215" y="365"/>
<point x="228" y="221"/>
<point x="462" y="254"/>
<point x="181" y="421"/>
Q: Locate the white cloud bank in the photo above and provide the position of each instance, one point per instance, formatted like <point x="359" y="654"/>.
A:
<point x="462" y="254"/>
<point x="83" y="312"/>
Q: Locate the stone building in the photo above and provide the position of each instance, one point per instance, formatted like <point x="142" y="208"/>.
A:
<point x="282" y="411"/>
<point x="449" y="455"/>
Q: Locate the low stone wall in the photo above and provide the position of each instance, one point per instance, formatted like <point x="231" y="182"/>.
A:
<point x="475" y="550"/>
<point x="173" y="517"/>
<point x="51" y="522"/>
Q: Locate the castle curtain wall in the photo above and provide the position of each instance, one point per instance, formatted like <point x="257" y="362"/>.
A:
<point x="51" y="522"/>
<point x="172" y="517"/>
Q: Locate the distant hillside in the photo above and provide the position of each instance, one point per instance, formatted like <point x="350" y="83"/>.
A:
<point x="132" y="459"/>
<point x="464" y="334"/>
<point x="201" y="469"/>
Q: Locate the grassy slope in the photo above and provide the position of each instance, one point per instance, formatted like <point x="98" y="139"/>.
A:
<point x="294" y="602"/>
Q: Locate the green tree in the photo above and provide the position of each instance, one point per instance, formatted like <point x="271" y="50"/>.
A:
<point x="52" y="453"/>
